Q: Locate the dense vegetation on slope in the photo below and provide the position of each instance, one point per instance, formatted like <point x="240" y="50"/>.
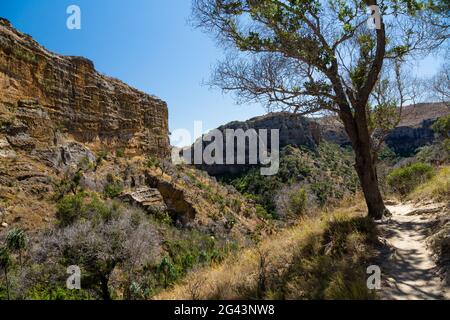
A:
<point x="326" y="175"/>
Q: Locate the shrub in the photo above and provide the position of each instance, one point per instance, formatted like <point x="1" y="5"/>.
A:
<point x="83" y="206"/>
<point x="292" y="201"/>
<point x="298" y="200"/>
<point x="16" y="241"/>
<point x="442" y="127"/>
<point x="113" y="190"/>
<point x="69" y="209"/>
<point x="153" y="163"/>
<point x="120" y="153"/>
<point x="125" y="242"/>
<point x="113" y="187"/>
<point x="41" y="292"/>
<point x="262" y="212"/>
<point x="101" y="155"/>
<point x="406" y="179"/>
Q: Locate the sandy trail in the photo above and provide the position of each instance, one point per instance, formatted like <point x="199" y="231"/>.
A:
<point x="409" y="271"/>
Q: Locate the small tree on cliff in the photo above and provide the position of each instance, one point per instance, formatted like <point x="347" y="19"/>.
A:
<point x="311" y="56"/>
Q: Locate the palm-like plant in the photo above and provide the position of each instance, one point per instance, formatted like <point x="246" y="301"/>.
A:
<point x="5" y="262"/>
<point x="16" y="241"/>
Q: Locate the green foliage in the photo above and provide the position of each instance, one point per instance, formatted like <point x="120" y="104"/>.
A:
<point x="69" y="209"/>
<point x="189" y="251"/>
<point x="167" y="271"/>
<point x="83" y="206"/>
<point x="437" y="153"/>
<point x="387" y="153"/>
<point x="153" y="163"/>
<point x="298" y="201"/>
<point x="442" y="127"/>
<point x="113" y="189"/>
<point x="331" y="264"/>
<point x="42" y="292"/>
<point x="406" y="179"/>
<point x="328" y="171"/>
<point x="101" y="155"/>
<point x="120" y="153"/>
<point x="16" y="240"/>
<point x="5" y="258"/>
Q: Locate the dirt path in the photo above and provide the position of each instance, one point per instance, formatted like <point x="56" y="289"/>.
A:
<point x="409" y="271"/>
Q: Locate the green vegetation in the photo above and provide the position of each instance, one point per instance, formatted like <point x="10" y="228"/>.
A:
<point x="406" y="179"/>
<point x="327" y="176"/>
<point x="113" y="188"/>
<point x="5" y="264"/>
<point x="120" y="153"/>
<point x="83" y="206"/>
<point x="41" y="292"/>
<point x="16" y="241"/>
<point x="153" y="163"/>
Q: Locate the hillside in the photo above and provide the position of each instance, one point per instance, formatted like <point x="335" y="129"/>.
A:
<point x="326" y="256"/>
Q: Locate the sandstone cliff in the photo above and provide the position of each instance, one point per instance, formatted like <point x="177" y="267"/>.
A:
<point x="43" y="94"/>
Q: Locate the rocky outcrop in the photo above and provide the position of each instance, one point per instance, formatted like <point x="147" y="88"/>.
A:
<point x="43" y="94"/>
<point x="415" y="129"/>
<point x="149" y="199"/>
<point x="293" y="130"/>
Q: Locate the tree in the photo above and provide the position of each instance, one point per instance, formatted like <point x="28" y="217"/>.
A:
<point x="311" y="56"/>
<point x="5" y="263"/>
<point x="16" y="241"/>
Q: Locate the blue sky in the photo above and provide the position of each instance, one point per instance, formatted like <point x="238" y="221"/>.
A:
<point x="145" y="43"/>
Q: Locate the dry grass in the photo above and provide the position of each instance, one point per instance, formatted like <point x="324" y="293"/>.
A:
<point x="437" y="188"/>
<point x="320" y="257"/>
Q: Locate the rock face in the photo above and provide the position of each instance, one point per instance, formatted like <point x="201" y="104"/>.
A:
<point x="293" y="130"/>
<point x="43" y="94"/>
<point x="414" y="131"/>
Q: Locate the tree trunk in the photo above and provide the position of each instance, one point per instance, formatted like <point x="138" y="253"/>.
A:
<point x="104" y="287"/>
<point x="358" y="132"/>
<point x="367" y="174"/>
<point x="7" y="283"/>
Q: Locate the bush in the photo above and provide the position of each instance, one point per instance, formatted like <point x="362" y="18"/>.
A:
<point x="69" y="209"/>
<point x="406" y="179"/>
<point x="292" y="201"/>
<point x="82" y="206"/>
<point x="113" y="190"/>
<point x="120" y="153"/>
<point x="113" y="187"/>
<point x="59" y="293"/>
<point x="298" y="200"/>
